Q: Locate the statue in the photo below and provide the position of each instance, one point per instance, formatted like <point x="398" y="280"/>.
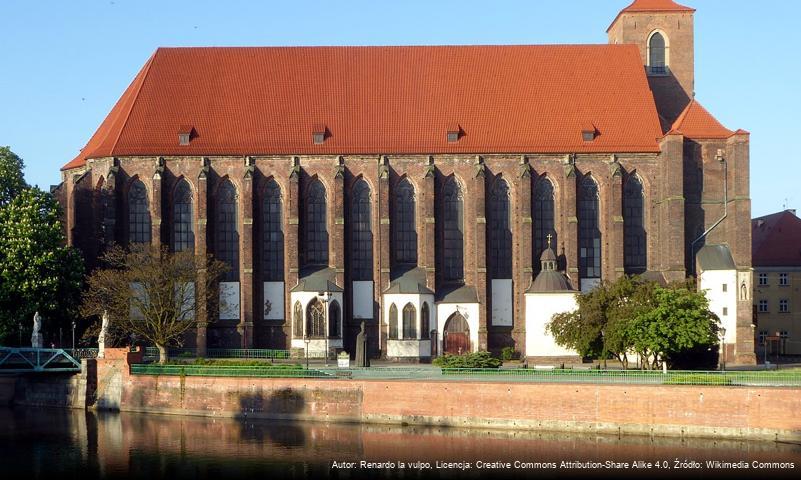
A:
<point x="362" y="359"/>
<point x="101" y="338"/>
<point x="36" y="336"/>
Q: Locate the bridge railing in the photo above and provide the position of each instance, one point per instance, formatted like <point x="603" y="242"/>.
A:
<point x="21" y="360"/>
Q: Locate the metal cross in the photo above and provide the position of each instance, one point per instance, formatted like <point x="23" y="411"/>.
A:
<point x="549" y="236"/>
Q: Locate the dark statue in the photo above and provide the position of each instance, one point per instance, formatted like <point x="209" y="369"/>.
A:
<point x="362" y="360"/>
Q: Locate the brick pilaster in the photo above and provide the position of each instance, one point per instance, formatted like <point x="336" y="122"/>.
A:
<point x="613" y="264"/>
<point x="155" y="204"/>
<point x="569" y="238"/>
<point x="480" y="259"/>
<point x="291" y="249"/>
<point x="201" y="250"/>
<point x="337" y="236"/>
<point x="426" y="247"/>
<point x="109" y="206"/>
<point x="522" y="268"/>
<point x="382" y="273"/>
<point x="245" y="327"/>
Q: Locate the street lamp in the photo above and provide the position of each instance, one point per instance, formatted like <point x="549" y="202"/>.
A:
<point x="73" y="336"/>
<point x="19" y="328"/>
<point x="325" y="297"/>
<point x="306" y="340"/>
<point x="722" y="333"/>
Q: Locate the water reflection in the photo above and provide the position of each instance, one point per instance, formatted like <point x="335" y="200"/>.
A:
<point x="58" y="442"/>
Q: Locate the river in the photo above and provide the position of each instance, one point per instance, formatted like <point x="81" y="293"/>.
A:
<point x="51" y="443"/>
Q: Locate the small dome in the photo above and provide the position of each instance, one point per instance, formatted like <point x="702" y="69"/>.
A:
<point x="550" y="281"/>
<point x="548" y="255"/>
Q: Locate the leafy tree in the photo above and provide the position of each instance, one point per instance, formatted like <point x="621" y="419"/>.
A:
<point x="152" y="293"/>
<point x="11" y="176"/>
<point x="37" y="272"/>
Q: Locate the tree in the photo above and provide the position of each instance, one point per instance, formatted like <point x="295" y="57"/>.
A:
<point x="152" y="293"/>
<point x="37" y="272"/>
<point x="11" y="176"/>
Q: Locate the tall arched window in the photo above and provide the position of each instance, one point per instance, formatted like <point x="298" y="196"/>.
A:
<point x="361" y="258"/>
<point x="657" y="54"/>
<point x="226" y="233"/>
<point x="393" y="322"/>
<point x="425" y="322"/>
<point x="542" y="213"/>
<point x="453" y="231"/>
<point x="404" y="231"/>
<point x="589" y="231"/>
<point x="634" y="245"/>
<point x="315" y="228"/>
<point x="315" y="319"/>
<point x="297" y="326"/>
<point x="138" y="213"/>
<point x="333" y="319"/>
<point x="500" y="231"/>
<point x="183" y="237"/>
<point x="409" y="322"/>
<point x="272" y="234"/>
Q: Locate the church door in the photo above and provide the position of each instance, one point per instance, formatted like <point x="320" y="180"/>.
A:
<point x="456" y="338"/>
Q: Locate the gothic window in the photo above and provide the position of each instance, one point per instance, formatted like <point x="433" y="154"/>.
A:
<point x="393" y="322"/>
<point x="297" y="326"/>
<point x="543" y="218"/>
<point x="404" y="233"/>
<point x="453" y="232"/>
<point x="314" y="225"/>
<point x="272" y="234"/>
<point x="226" y="235"/>
<point x="183" y="238"/>
<point x="634" y="244"/>
<point x="425" y="322"/>
<point x="657" y="54"/>
<point x="333" y="319"/>
<point x="361" y="261"/>
<point x="500" y="231"/>
<point x="138" y="214"/>
<point x="409" y="322"/>
<point x="589" y="232"/>
<point x="315" y="319"/>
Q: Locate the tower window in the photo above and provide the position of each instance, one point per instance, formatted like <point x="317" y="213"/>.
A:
<point x="657" y="55"/>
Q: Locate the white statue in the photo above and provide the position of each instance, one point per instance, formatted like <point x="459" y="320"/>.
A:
<point x="101" y="339"/>
<point x="36" y="336"/>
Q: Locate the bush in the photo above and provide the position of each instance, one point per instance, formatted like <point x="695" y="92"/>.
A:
<point x="697" y="379"/>
<point x="509" y="353"/>
<point x="470" y="360"/>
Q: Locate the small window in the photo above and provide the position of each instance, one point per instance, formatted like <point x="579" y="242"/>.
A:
<point x="763" y="279"/>
<point x="725" y="311"/>
<point x="319" y="133"/>
<point x="454" y="132"/>
<point x="762" y="335"/>
<point x="763" y="306"/>
<point x="725" y="287"/>
<point x="393" y="322"/>
<point x="784" y="279"/>
<point x="657" y="55"/>
<point x="784" y="334"/>
<point x="784" y="306"/>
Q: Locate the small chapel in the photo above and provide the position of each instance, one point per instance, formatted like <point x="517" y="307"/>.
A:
<point x="452" y="198"/>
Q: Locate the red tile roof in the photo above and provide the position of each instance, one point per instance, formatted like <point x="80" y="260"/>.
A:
<point x="776" y="240"/>
<point x="696" y="122"/>
<point x="652" y="6"/>
<point x="383" y="100"/>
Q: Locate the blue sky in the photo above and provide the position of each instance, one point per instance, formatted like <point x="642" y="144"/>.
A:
<point x="65" y="63"/>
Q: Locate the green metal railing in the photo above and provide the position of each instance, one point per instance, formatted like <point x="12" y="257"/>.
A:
<point x="609" y="377"/>
<point x="23" y="360"/>
<point x="248" y="353"/>
<point x="79" y="353"/>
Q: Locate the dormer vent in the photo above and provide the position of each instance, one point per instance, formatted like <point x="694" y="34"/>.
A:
<point x="319" y="133"/>
<point x="588" y="132"/>
<point x="455" y="132"/>
<point x="185" y="134"/>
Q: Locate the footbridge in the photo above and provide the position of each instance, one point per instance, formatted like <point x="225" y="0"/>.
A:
<point x="37" y="360"/>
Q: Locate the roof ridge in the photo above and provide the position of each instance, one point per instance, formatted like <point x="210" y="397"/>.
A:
<point x="133" y="100"/>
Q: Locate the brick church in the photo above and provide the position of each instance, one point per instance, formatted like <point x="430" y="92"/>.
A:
<point x="429" y="192"/>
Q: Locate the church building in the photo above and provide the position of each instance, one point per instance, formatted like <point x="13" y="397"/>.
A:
<point x="447" y="196"/>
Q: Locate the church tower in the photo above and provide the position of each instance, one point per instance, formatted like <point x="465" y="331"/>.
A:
<point x="663" y="30"/>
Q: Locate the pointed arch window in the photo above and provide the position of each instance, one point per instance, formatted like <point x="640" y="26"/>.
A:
<point x="361" y="261"/>
<point x="315" y="228"/>
<point x="543" y="218"/>
<point x="500" y="231"/>
<point x="183" y="236"/>
<point x="409" y="322"/>
<point x="634" y="245"/>
<point x="138" y="213"/>
<point x="272" y="234"/>
<point x="404" y="231"/>
<point x="315" y="319"/>
<point x="226" y="233"/>
<point x="393" y="322"/>
<point x="453" y="232"/>
<point x="657" y="54"/>
<point x="297" y="326"/>
<point x="425" y="322"/>
<point x="334" y="319"/>
<point x="589" y="231"/>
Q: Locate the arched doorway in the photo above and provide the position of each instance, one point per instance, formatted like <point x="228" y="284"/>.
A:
<point x="456" y="337"/>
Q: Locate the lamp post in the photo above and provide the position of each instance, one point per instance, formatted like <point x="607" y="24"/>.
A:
<point x="73" y="336"/>
<point x="19" y="329"/>
<point x="722" y="348"/>
<point x="306" y="340"/>
<point x="325" y="297"/>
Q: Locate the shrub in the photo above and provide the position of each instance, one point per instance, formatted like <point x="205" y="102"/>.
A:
<point x="509" y="353"/>
<point x="697" y="379"/>
<point x="470" y="360"/>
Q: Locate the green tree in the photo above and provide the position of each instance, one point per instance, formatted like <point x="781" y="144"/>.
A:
<point x="37" y="272"/>
<point x="12" y="181"/>
<point x="152" y="293"/>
